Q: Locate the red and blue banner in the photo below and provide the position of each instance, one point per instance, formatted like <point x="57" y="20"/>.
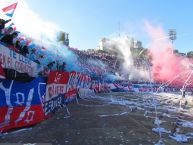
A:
<point x="85" y="81"/>
<point x="21" y="104"/>
<point x="55" y="90"/>
<point x="52" y="104"/>
<point x="72" y="87"/>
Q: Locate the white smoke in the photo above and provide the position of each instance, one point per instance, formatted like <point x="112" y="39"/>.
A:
<point x="43" y="33"/>
<point x="122" y="46"/>
<point x="30" y="23"/>
<point x="97" y="63"/>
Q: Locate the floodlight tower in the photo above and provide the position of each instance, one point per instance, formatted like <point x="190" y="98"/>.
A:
<point x="172" y="37"/>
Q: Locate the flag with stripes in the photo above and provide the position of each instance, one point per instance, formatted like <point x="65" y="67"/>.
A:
<point x="9" y="10"/>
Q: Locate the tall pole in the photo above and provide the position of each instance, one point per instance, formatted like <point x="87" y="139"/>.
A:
<point x="172" y="37"/>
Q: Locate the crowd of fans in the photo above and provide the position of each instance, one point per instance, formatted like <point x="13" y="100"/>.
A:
<point x="100" y="62"/>
<point x="91" y="61"/>
<point x="97" y="62"/>
<point x="8" y="36"/>
<point x="14" y="40"/>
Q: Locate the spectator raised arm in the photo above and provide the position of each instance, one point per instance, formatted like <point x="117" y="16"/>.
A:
<point x="2" y="23"/>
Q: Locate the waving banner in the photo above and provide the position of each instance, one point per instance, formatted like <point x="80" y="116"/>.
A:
<point x="20" y="103"/>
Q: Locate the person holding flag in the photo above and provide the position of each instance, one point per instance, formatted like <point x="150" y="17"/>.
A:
<point x="9" y="11"/>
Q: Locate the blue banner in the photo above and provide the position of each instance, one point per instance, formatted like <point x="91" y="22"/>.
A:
<point x="54" y="103"/>
<point x="21" y="103"/>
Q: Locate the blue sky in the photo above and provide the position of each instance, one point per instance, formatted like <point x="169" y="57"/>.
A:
<point x="89" y="20"/>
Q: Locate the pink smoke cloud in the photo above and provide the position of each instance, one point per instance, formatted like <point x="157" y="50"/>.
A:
<point x="166" y="65"/>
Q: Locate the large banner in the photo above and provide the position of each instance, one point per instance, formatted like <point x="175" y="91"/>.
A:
<point x="55" y="90"/>
<point x="72" y="87"/>
<point x="84" y="81"/>
<point x="20" y="103"/>
<point x="12" y="60"/>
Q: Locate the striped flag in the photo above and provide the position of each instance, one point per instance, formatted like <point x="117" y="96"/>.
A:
<point x="9" y="10"/>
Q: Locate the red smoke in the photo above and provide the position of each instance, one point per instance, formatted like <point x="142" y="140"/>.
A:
<point x="166" y="66"/>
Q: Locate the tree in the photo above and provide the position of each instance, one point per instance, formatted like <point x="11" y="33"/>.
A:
<point x="176" y="51"/>
<point x="190" y="54"/>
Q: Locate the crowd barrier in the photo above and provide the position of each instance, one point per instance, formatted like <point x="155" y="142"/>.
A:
<point x="26" y="104"/>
